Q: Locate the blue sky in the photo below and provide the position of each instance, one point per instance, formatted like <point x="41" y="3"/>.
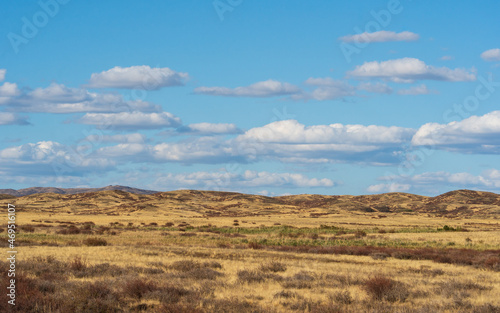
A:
<point x="265" y="97"/>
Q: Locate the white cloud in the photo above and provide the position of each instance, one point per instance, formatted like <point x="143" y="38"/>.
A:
<point x="205" y="150"/>
<point x="125" y="138"/>
<point x="248" y="179"/>
<point x="131" y="120"/>
<point x="476" y="134"/>
<point x="206" y="129"/>
<point x="416" y="90"/>
<point x="291" y="131"/>
<point x="491" y="55"/>
<point x="58" y="98"/>
<point x="375" y="88"/>
<point x="7" y="92"/>
<point x="49" y="158"/>
<point x="392" y="187"/>
<point x="268" y="88"/>
<point x="381" y="36"/>
<point x="487" y="180"/>
<point x="137" y="77"/>
<point x="285" y="141"/>
<point x="2" y="74"/>
<point x="290" y="140"/>
<point x="11" y="119"/>
<point x="408" y="70"/>
<point x="328" y="89"/>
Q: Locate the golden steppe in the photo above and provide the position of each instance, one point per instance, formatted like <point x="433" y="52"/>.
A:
<point x="207" y="251"/>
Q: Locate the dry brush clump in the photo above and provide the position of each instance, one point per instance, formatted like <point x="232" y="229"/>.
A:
<point x="381" y="287"/>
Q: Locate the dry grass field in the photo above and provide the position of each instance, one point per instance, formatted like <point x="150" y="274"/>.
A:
<point x="192" y="251"/>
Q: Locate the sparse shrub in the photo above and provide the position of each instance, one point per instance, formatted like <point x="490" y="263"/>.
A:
<point x="254" y="245"/>
<point x="382" y="231"/>
<point x="77" y="264"/>
<point x="137" y="287"/>
<point x="212" y="264"/>
<point x="46" y="286"/>
<point x="314" y="236"/>
<point x="273" y="266"/>
<point x="252" y="276"/>
<point x="27" y="228"/>
<point x="492" y="262"/>
<point x="286" y="294"/>
<point x="201" y="274"/>
<point x="169" y="224"/>
<point x="71" y="230"/>
<point x="384" y="288"/>
<point x="342" y="297"/>
<point x="184" y="265"/>
<point x="360" y="234"/>
<point x="379" y="256"/>
<point x="95" y="242"/>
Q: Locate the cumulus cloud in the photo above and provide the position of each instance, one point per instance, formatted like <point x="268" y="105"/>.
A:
<point x="392" y="187"/>
<point x="290" y="140"/>
<point x="487" y="180"/>
<point x="286" y="141"/>
<point x="268" y="88"/>
<point x="12" y="119"/>
<point x="248" y="179"/>
<point x="381" y="36"/>
<point x="375" y="88"/>
<point x="7" y="92"/>
<point x="291" y="131"/>
<point x="408" y="70"/>
<point x="131" y="120"/>
<point x="58" y="98"/>
<point x="122" y="138"/>
<point x="2" y="74"/>
<point x="327" y="89"/>
<point x="137" y="77"/>
<point x="491" y="55"/>
<point x="476" y="134"/>
<point x="207" y="129"/>
<point x="416" y="90"/>
<point x="49" y="158"/>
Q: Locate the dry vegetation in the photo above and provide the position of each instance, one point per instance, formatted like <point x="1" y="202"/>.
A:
<point x="191" y="251"/>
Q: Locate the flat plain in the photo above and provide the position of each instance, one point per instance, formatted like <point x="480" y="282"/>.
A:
<point x="204" y="251"/>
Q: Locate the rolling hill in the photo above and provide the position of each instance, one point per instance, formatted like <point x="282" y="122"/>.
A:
<point x="115" y="200"/>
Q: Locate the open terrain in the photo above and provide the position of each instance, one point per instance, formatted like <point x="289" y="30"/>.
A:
<point x="202" y="251"/>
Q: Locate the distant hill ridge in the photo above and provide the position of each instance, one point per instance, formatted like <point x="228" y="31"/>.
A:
<point x="115" y="200"/>
<point x="72" y="191"/>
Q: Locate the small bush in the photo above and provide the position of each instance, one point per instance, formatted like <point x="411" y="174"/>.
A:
<point x="343" y="297"/>
<point x="95" y="242"/>
<point x="383" y="288"/>
<point x="184" y="265"/>
<point x="77" y="264"/>
<point x="251" y="276"/>
<point x="136" y="288"/>
<point x="273" y="266"/>
<point x="28" y="228"/>
<point x="255" y="245"/>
